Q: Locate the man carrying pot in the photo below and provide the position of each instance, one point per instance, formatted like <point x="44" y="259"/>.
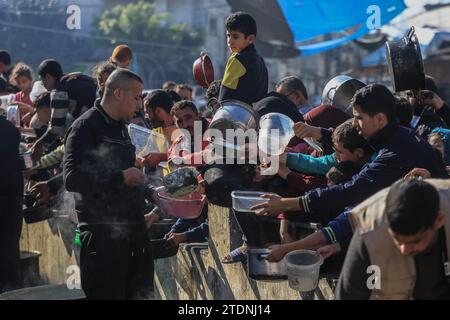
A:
<point x="116" y="259"/>
<point x="401" y="243"/>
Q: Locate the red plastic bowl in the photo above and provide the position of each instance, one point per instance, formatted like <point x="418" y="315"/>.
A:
<point x="186" y="207"/>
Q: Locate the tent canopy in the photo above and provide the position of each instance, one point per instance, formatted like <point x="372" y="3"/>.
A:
<point x="309" y="19"/>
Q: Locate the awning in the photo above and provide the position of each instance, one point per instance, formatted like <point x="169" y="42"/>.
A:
<point x="309" y="19"/>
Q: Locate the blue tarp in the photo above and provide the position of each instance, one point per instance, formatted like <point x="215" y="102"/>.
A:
<point x="311" y="18"/>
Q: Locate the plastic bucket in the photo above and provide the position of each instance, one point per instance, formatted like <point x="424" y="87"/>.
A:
<point x="303" y="268"/>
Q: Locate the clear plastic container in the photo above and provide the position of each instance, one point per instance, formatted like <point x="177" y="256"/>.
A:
<point x="303" y="268"/>
<point x="147" y="141"/>
<point x="275" y="132"/>
<point x="186" y="207"/>
<point x="244" y="200"/>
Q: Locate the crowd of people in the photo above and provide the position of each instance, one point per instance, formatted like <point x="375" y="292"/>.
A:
<point x="378" y="192"/>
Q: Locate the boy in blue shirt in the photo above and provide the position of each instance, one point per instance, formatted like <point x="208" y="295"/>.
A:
<point x="245" y="76"/>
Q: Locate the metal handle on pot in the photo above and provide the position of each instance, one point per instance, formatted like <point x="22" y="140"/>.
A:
<point x="410" y="35"/>
<point x="263" y="256"/>
<point x="328" y="93"/>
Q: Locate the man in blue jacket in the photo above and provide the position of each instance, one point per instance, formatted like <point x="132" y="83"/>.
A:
<point x="398" y="150"/>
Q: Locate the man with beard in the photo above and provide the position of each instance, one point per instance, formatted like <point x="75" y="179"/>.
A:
<point x="115" y="259"/>
<point x="157" y="106"/>
<point x="402" y="232"/>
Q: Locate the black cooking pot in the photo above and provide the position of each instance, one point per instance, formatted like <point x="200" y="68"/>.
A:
<point x="405" y="63"/>
<point x="221" y="179"/>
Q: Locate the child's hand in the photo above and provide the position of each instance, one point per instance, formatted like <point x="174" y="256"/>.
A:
<point x="277" y="252"/>
<point x="283" y="171"/>
<point x="274" y="206"/>
<point x="429" y="98"/>
<point x="329" y="250"/>
<point x="303" y="130"/>
<point x="418" y="172"/>
<point x="176" y="238"/>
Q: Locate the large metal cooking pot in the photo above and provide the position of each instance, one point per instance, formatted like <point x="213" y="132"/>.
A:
<point x="261" y="269"/>
<point x="234" y="115"/>
<point x="340" y="90"/>
<point x="203" y="70"/>
<point x="405" y="63"/>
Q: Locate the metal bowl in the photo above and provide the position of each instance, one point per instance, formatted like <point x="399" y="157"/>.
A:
<point x="340" y="90"/>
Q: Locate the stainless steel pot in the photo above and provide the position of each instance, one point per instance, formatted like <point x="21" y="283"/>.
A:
<point x="261" y="269"/>
<point x="339" y="91"/>
<point x="405" y="63"/>
<point x="234" y="115"/>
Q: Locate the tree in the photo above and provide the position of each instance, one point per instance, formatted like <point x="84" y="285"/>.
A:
<point x="164" y="51"/>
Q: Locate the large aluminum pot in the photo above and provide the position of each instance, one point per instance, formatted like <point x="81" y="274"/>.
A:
<point x="203" y="70"/>
<point x="233" y="115"/>
<point x="261" y="269"/>
<point x="405" y="63"/>
<point x="339" y="91"/>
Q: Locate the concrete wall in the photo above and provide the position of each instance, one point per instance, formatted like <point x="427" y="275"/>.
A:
<point x="53" y="238"/>
<point x="195" y="273"/>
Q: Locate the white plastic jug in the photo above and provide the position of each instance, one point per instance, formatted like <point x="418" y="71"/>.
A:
<point x="303" y="268"/>
<point x="275" y="132"/>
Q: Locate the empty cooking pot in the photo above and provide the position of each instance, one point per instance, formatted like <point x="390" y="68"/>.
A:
<point x="203" y="70"/>
<point x="405" y="63"/>
<point x="340" y="90"/>
<point x="232" y="115"/>
<point x="261" y="269"/>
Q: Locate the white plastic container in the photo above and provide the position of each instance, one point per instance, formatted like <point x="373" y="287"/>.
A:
<point x="13" y="114"/>
<point x="303" y="268"/>
<point x="244" y="200"/>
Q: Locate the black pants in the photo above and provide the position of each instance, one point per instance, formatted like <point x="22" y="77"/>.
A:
<point x="10" y="229"/>
<point x="116" y="262"/>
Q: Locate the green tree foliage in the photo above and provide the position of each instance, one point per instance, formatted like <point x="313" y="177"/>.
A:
<point x="165" y="51"/>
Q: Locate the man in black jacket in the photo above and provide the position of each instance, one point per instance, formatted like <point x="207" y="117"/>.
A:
<point x="290" y="92"/>
<point x="11" y="195"/>
<point x="116" y="260"/>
